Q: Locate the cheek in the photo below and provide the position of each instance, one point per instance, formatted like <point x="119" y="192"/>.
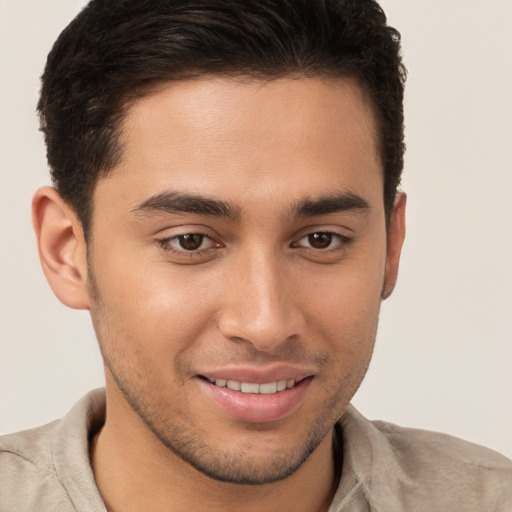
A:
<point x="343" y="309"/>
<point x="350" y="325"/>
<point x="351" y="330"/>
<point x="149" y="312"/>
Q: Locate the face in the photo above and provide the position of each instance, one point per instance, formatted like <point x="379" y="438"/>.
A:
<point x="237" y="264"/>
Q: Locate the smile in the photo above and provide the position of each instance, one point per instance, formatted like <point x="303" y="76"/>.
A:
<point x="257" y="396"/>
<point x="267" y="388"/>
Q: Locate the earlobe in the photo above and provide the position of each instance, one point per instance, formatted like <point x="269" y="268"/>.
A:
<point x="62" y="248"/>
<point x="396" y="235"/>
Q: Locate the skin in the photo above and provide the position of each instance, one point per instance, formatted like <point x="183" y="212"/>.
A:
<point x="257" y="292"/>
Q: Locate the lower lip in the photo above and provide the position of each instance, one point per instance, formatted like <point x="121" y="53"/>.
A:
<point x="255" y="407"/>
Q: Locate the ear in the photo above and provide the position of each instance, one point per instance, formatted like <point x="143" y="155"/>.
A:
<point x="62" y="248"/>
<point x="396" y="235"/>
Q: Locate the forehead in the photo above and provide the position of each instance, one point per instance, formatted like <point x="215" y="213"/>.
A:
<point x="248" y="138"/>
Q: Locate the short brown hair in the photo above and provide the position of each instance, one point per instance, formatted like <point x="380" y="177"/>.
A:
<point x="116" y="48"/>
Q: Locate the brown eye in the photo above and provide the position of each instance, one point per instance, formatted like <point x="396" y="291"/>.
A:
<point x="320" y="240"/>
<point x="190" y="241"/>
<point x="188" y="248"/>
<point x="324" y="241"/>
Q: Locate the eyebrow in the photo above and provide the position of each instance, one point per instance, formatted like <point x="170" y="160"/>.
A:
<point x="325" y="205"/>
<point x="176" y="202"/>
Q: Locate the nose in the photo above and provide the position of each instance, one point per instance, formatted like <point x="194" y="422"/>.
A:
<point x="260" y="301"/>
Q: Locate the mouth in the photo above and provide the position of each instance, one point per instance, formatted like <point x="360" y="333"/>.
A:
<point x="266" y="388"/>
<point x="256" y="397"/>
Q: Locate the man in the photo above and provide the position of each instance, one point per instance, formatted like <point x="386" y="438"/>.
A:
<point x="226" y="207"/>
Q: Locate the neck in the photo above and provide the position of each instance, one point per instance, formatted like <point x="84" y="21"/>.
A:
<point x="135" y="471"/>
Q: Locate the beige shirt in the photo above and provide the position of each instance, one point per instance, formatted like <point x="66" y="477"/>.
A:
<point x="385" y="468"/>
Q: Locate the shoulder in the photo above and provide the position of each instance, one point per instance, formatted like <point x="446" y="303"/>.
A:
<point x="422" y="467"/>
<point x="451" y="465"/>
<point x="28" y="472"/>
<point x="28" y="449"/>
<point x="48" y="468"/>
<point x="443" y="447"/>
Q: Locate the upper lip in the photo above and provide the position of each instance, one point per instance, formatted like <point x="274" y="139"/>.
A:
<point x="259" y="375"/>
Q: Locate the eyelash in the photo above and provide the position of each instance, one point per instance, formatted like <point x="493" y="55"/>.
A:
<point x="165" y="244"/>
<point x="343" y="242"/>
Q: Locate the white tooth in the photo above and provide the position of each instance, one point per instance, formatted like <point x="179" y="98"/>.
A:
<point x="249" y="387"/>
<point x="290" y="383"/>
<point x="233" y="384"/>
<point x="220" y="382"/>
<point x="281" y="385"/>
<point x="268" y="388"/>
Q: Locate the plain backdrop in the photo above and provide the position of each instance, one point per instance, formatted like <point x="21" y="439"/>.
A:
<point x="444" y="350"/>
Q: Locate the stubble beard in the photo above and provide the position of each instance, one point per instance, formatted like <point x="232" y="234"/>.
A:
<point x="239" y="467"/>
<point x="193" y="444"/>
<point x="186" y="440"/>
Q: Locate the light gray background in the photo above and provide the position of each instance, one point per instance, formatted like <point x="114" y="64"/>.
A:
<point x="444" y="351"/>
